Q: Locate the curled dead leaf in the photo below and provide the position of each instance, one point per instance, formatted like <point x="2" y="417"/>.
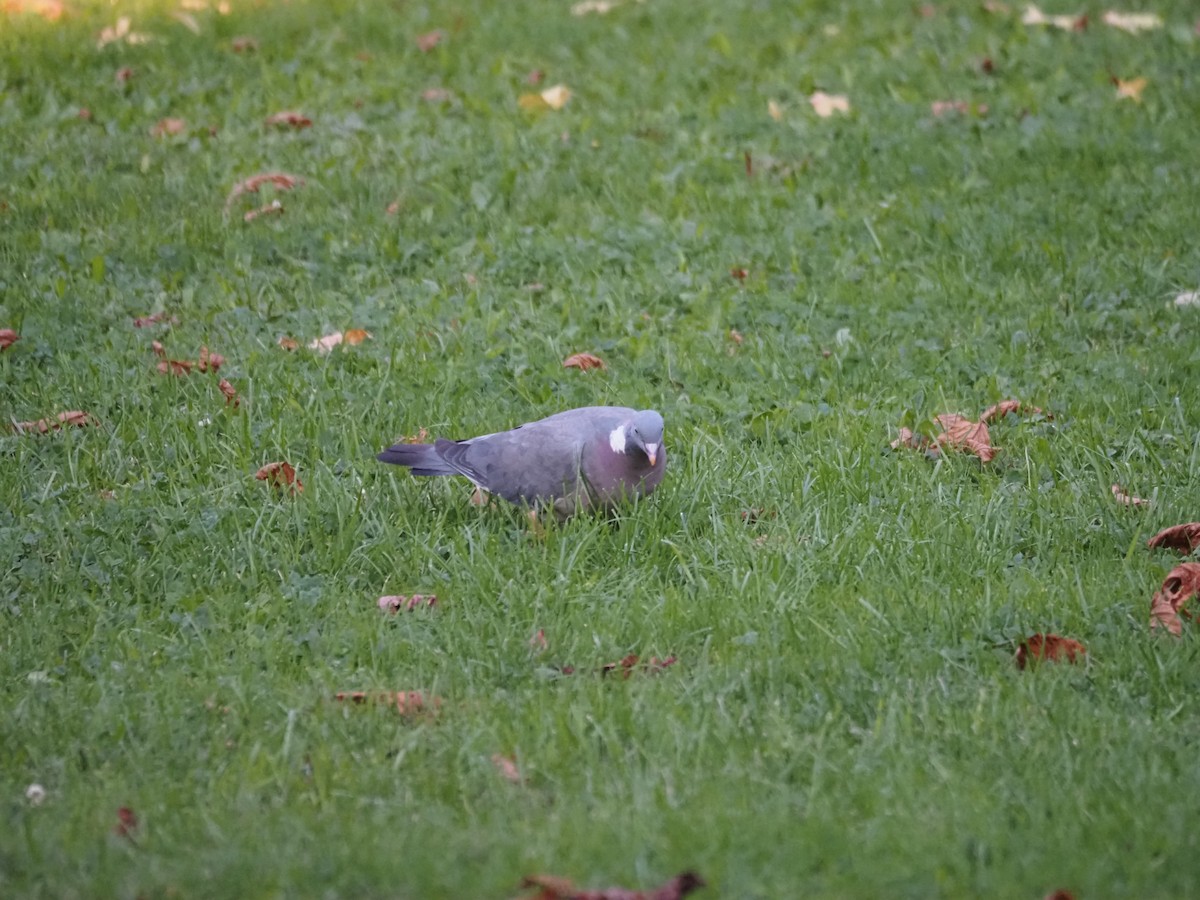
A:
<point x="418" y="438"/>
<point x="8" y="337"/>
<point x="1131" y="89"/>
<point x="1004" y="407"/>
<point x="429" y="40"/>
<point x="288" y="343"/>
<point x="506" y="766"/>
<point x="231" y="397"/>
<point x="1122" y="497"/>
<point x="908" y="439"/>
<point x="165" y="127"/>
<point x="127" y="823"/>
<point x="554" y="887"/>
<point x="288" y="118"/>
<point x="281" y="180"/>
<point x="407" y="703"/>
<point x="825" y="105"/>
<point x="632" y="663"/>
<point x="74" y="417"/>
<point x="159" y="318"/>
<point x="583" y="361"/>
<point x="1184" y="538"/>
<point x="1166" y="606"/>
<point x="357" y="336"/>
<point x="538" y="643"/>
<point x="280" y="475"/>
<point x="326" y="343"/>
<point x="393" y="603"/>
<point x="210" y="361"/>
<point x="1048" y="646"/>
<point x="738" y="273"/>
<point x="960" y="433"/>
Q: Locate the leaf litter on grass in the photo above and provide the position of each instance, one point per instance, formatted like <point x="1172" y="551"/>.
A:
<point x="1184" y="538"/>
<point x="555" y="887"/>
<point x="1166" y="606"/>
<point x="1051" y="647"/>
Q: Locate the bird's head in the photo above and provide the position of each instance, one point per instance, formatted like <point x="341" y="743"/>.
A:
<point x="645" y="432"/>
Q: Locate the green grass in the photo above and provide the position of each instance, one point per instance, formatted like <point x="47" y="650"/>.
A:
<point x="844" y="719"/>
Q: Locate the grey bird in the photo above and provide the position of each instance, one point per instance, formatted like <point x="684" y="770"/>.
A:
<point x="589" y="457"/>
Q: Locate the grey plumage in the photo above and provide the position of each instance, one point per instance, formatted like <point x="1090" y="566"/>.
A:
<point x="591" y="456"/>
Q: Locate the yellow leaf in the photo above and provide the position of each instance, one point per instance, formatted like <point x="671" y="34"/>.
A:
<point x="556" y="97"/>
<point x="774" y="110"/>
<point x="1131" y="89"/>
<point x="825" y="105"/>
<point x="532" y="102"/>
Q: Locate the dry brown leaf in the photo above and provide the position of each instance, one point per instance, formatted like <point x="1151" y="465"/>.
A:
<point x="418" y="438"/>
<point x="1133" y="23"/>
<point x="175" y="367"/>
<point x="583" y="361"/>
<point x="407" y="703"/>
<point x="244" y="44"/>
<point x="940" y="108"/>
<point x="910" y="440"/>
<point x="288" y="343"/>
<point x="123" y="75"/>
<point x="231" y="397"/>
<point x="775" y="111"/>
<point x="1184" y="538"/>
<point x="1048" y="646"/>
<point x="274" y="208"/>
<point x="393" y="603"/>
<point x="1166" y="606"/>
<point x="554" y="887"/>
<point x="127" y="823"/>
<point x="74" y="417"/>
<point x="438" y="95"/>
<point x="8" y="337"/>
<point x="281" y="180"/>
<point x="1122" y="497"/>
<point x="288" y="118"/>
<point x="429" y="40"/>
<point x="326" y="343"/>
<point x="210" y="361"/>
<point x="507" y="767"/>
<point x="632" y="663"/>
<point x="1131" y="89"/>
<point x="159" y="318"/>
<point x="357" y="336"/>
<point x="739" y="273"/>
<point x="1034" y="16"/>
<point x="166" y="127"/>
<point x="825" y="105"/>
<point x="1004" y="407"/>
<point x="280" y="475"/>
<point x="960" y="433"/>
<point x="538" y="643"/>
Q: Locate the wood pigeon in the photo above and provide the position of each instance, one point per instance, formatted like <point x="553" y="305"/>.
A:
<point x="587" y="457"/>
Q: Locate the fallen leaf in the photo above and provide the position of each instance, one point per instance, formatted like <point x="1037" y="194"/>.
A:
<point x="825" y="105"/>
<point x="1132" y="22"/>
<point x="912" y="441"/>
<point x="774" y="110"/>
<point x="393" y="603"/>
<point x="736" y="336"/>
<point x="166" y="127"/>
<point x="127" y="823"/>
<point x="1004" y="407"/>
<point x="210" y="361"/>
<point x="357" y="336"/>
<point x="121" y="31"/>
<point x="418" y="438"/>
<point x="8" y="337"/>
<point x="273" y="208"/>
<point x="940" y="108"/>
<point x="288" y="118"/>
<point x="632" y="663"/>
<point x="1131" y="89"/>
<point x="599" y="7"/>
<point x="1034" y="16"/>
<point x="288" y="343"/>
<point x="1119" y="493"/>
<point x="554" y="887"/>
<point x="244" y="44"/>
<point x="327" y="343"/>
<point x="1187" y="298"/>
<point x="123" y="75"/>
<point x="231" y="397"/>
<point x="74" y="417"/>
<point x="175" y="366"/>
<point x="84" y="113"/>
<point x="1184" y="538"/>
<point x="437" y="95"/>
<point x="535" y="76"/>
<point x="407" y="703"/>
<point x="583" y="361"/>
<point x="280" y="475"/>
<point x="739" y="273"/>
<point x="281" y="180"/>
<point x="1048" y="646"/>
<point x="507" y="767"/>
<point x="159" y="318"/>
<point x="555" y="97"/>
<point x="962" y="434"/>
<point x="1166" y="606"/>
<point x="429" y="40"/>
<point x="538" y="643"/>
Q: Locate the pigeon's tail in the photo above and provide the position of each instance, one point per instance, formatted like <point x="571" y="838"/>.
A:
<point x="421" y="459"/>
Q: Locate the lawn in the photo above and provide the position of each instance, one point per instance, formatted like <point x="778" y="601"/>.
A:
<point x="843" y="716"/>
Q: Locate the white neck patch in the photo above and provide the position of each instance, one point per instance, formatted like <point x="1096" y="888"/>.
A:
<point x="616" y="439"/>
